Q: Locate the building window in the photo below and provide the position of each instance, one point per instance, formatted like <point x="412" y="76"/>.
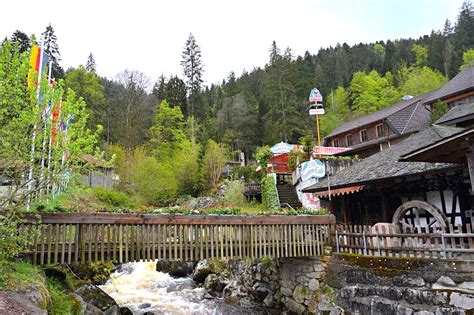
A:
<point x="363" y="135"/>
<point x="461" y="102"/>
<point x="335" y="143"/>
<point x="348" y="140"/>
<point x="379" y="130"/>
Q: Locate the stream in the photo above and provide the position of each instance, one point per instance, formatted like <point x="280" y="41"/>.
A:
<point x="139" y="287"/>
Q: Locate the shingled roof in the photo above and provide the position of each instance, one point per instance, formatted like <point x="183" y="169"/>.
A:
<point x="406" y="116"/>
<point x="385" y="164"/>
<point x="463" y="81"/>
<point x="457" y="114"/>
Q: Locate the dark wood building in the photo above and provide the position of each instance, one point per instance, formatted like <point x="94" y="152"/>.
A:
<point x="378" y="131"/>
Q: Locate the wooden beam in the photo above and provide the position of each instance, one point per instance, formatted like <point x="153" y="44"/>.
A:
<point x="470" y="165"/>
<point x="136" y="218"/>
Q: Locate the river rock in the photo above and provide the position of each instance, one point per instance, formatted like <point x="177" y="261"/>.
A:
<point x="215" y="283"/>
<point x="443" y="282"/>
<point x="176" y="269"/>
<point x="408" y="281"/>
<point x="95" y="301"/>
<point x="301" y="293"/>
<point x="201" y="271"/>
<point x="313" y="284"/>
<point x="125" y="311"/>
<point x="144" y="305"/>
<point x="463" y="301"/>
<point x="295" y="307"/>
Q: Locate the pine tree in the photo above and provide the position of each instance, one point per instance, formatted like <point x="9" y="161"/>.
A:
<point x="51" y="48"/>
<point x="22" y="39"/>
<point x="159" y="89"/>
<point x="275" y="53"/>
<point x="90" y="65"/>
<point x="193" y="69"/>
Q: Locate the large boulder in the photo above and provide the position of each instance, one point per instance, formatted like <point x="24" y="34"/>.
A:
<point x="13" y="303"/>
<point x="201" y="203"/>
<point x="95" y="301"/>
<point x="215" y="283"/>
<point x="176" y="269"/>
<point x="202" y="270"/>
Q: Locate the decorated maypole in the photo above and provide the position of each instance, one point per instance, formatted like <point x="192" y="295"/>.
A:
<point x="315" y="109"/>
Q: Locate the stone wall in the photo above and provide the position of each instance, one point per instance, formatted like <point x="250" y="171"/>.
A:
<point x="301" y="285"/>
<point x="293" y="284"/>
<point x="374" y="285"/>
<point x="344" y="284"/>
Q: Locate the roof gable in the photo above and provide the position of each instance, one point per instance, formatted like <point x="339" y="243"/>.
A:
<point x="457" y="114"/>
<point x="385" y="164"/>
<point x="400" y="116"/>
<point x="463" y="81"/>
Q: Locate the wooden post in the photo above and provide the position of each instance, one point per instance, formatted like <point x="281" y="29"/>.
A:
<point x="470" y="164"/>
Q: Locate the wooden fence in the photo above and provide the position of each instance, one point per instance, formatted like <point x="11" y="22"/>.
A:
<point x="453" y="242"/>
<point x="79" y="237"/>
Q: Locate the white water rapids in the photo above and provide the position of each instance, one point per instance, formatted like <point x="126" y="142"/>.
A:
<point x="142" y="289"/>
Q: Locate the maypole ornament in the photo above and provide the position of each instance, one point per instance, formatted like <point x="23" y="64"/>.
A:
<point x="315" y="103"/>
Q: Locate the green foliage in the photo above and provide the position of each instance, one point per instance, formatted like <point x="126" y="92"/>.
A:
<point x="154" y="181"/>
<point x="86" y="84"/>
<point x="296" y="156"/>
<point x="322" y="211"/>
<point x="19" y="121"/>
<point x="214" y="160"/>
<point x="116" y="199"/>
<point x="234" y="194"/>
<point x="420" y="80"/>
<point x="421" y="54"/>
<point x="468" y="59"/>
<point x="439" y="109"/>
<point x="85" y="199"/>
<point x="270" y="194"/>
<point x="263" y="155"/>
<point x="17" y="274"/>
<point x="247" y="172"/>
<point x="12" y="243"/>
<point x="62" y="303"/>
<point x="371" y="92"/>
<point x="167" y="130"/>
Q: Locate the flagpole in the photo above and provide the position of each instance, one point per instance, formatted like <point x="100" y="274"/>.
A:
<point x="33" y="136"/>
<point x="45" y="135"/>
<point x="51" y="129"/>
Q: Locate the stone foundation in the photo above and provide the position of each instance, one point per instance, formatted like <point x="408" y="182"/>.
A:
<point x="374" y="285"/>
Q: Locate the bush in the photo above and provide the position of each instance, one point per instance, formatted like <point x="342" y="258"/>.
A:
<point x="114" y="198"/>
<point x="85" y="199"/>
<point x="155" y="181"/>
<point x="12" y="243"/>
<point x="235" y="193"/>
<point x="247" y="172"/>
<point x="270" y="194"/>
<point x="61" y="301"/>
<point x="439" y="109"/>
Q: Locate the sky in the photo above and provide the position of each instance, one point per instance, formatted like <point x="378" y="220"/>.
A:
<point x="149" y="35"/>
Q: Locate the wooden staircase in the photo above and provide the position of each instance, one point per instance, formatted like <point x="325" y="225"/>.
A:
<point x="287" y="195"/>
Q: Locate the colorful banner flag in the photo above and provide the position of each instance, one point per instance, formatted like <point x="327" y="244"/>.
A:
<point x="54" y="121"/>
<point x="35" y="64"/>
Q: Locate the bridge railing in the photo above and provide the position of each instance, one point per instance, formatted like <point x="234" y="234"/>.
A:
<point x="81" y="237"/>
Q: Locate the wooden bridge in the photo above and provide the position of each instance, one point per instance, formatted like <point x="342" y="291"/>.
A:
<point x="80" y="238"/>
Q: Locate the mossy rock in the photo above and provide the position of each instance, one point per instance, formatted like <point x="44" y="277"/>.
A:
<point x="95" y="297"/>
<point x="176" y="269"/>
